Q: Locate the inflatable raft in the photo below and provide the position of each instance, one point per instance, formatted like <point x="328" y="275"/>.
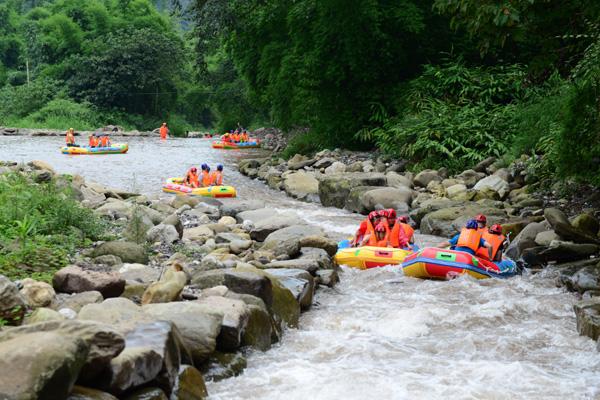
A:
<point x="116" y="148"/>
<point x="370" y="257"/>
<point x="220" y="144"/>
<point x="175" y="186"/>
<point x="434" y="263"/>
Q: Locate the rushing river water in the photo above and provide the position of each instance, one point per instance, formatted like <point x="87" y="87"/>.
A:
<point x="377" y="335"/>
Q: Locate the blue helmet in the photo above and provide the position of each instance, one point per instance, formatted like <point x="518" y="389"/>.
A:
<point x="219" y="167"/>
<point x="207" y="168"/>
<point x="471" y="224"/>
<point x="203" y="166"/>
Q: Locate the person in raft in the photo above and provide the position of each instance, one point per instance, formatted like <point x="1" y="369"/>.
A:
<point x="481" y="223"/>
<point x="375" y="236"/>
<point x="468" y="240"/>
<point x="104" y="141"/>
<point x="205" y="175"/>
<point x="70" y="138"/>
<point x="164" y="131"/>
<point x="362" y="229"/>
<point x="93" y="141"/>
<point x="398" y="237"/>
<point x="216" y="178"/>
<point x="191" y="178"/>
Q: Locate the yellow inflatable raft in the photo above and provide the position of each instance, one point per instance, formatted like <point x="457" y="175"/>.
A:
<point x="176" y="186"/>
<point x="370" y="257"/>
<point x="116" y="148"/>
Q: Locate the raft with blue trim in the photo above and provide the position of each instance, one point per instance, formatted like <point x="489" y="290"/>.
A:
<point x="367" y="257"/>
<point x="434" y="263"/>
<point x="220" y="144"/>
<point x="176" y="186"/>
<point x="116" y="148"/>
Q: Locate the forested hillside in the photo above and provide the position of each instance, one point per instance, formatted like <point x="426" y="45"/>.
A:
<point x="438" y="82"/>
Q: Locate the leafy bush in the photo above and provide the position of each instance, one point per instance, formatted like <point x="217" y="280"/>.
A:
<point x="304" y="143"/>
<point x="22" y="100"/>
<point x="39" y="225"/>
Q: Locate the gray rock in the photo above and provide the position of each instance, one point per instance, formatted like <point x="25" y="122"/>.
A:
<point x="199" y="233"/>
<point x="174" y="221"/>
<point x="238" y="281"/>
<point x="139" y="273"/>
<point x="470" y="177"/>
<point x="318" y="255"/>
<point x="168" y="288"/>
<point x="239" y="246"/>
<point x="74" y="279"/>
<point x="328" y="277"/>
<point x="37" y="294"/>
<point x="109" y="260"/>
<point x="561" y="225"/>
<point x="301" y="185"/>
<point x="335" y="168"/>
<point x="587" y="313"/>
<point x="586" y="223"/>
<point x="189" y="385"/>
<point x="334" y="189"/>
<point x="305" y="264"/>
<point x="396" y="180"/>
<point x="423" y="178"/>
<point x="545" y="238"/>
<point x="165" y="234"/>
<point x="525" y="239"/>
<point x="448" y="221"/>
<point x="324" y="162"/>
<point x="484" y="164"/>
<point x="76" y="301"/>
<point x="494" y="183"/>
<point x="235" y="206"/>
<point x="396" y="198"/>
<point x="287" y="240"/>
<point x="126" y="251"/>
<point x="300" y="283"/>
<point x="320" y="242"/>
<point x="235" y="318"/>
<point x="91" y="197"/>
<point x="299" y="161"/>
<point x="12" y="303"/>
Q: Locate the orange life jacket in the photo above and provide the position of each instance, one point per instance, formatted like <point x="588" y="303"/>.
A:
<point x="91" y="141"/>
<point x="216" y="178"/>
<point x="408" y="230"/>
<point x="206" y="178"/>
<point x="395" y="234"/>
<point x="163" y="132"/>
<point x="373" y="236"/>
<point x="191" y="179"/>
<point x="496" y="242"/>
<point x="469" y="238"/>
<point x="104" y="141"/>
<point x="244" y="137"/>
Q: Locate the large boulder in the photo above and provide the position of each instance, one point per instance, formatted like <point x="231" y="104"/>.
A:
<point x="525" y="239"/>
<point x="263" y="228"/>
<point x="448" y="221"/>
<point x="42" y="314"/>
<point x="424" y="177"/>
<point x="566" y="251"/>
<point x="494" y="183"/>
<point x="587" y="313"/>
<point x="545" y="238"/>
<point x="300" y="283"/>
<point x="457" y="192"/>
<point x="115" y="209"/>
<point x="396" y="180"/>
<point x="354" y="199"/>
<point x="238" y="281"/>
<point x="563" y="228"/>
<point x="305" y="264"/>
<point x="586" y="223"/>
<point x="168" y="288"/>
<point x="127" y="251"/>
<point x="320" y="242"/>
<point x="76" y="301"/>
<point x="287" y="240"/>
<point x="299" y="161"/>
<point x="85" y="393"/>
<point x="301" y="185"/>
<point x="189" y="385"/>
<point x="165" y="234"/>
<point x="235" y="318"/>
<point x="334" y="189"/>
<point x="40" y="365"/>
<point x="91" y="198"/>
<point x="470" y="177"/>
<point x="335" y="168"/>
<point x="139" y="273"/>
<point x="199" y="325"/>
<point x="236" y="206"/>
<point x="430" y="205"/>
<point x="323" y="259"/>
<point x="37" y="294"/>
<point x="396" y="198"/>
<point x="580" y="276"/>
<point x="12" y="304"/>
<point x="102" y="341"/>
<point x="75" y="279"/>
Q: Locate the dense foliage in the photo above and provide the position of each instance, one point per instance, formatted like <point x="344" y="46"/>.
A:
<point x="40" y="223"/>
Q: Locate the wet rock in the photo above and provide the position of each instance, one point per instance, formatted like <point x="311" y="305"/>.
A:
<point x="102" y="342"/>
<point x="37" y="294"/>
<point x="309" y="265"/>
<point x="85" y="393"/>
<point x="354" y="200"/>
<point x="77" y="300"/>
<point x="334" y="189"/>
<point x="525" y="239"/>
<point x="150" y="393"/>
<point x="495" y="184"/>
<point x="265" y="225"/>
<point x="236" y="206"/>
<point x="470" y="177"/>
<point x="328" y="277"/>
<point x="165" y="234"/>
<point x="127" y="251"/>
<point x="561" y="225"/>
<point x="430" y="205"/>
<point x="40" y="365"/>
<point x="336" y="168"/>
<point x="320" y="242"/>
<point x="235" y="318"/>
<point x="587" y="313"/>
<point x="42" y="314"/>
<point x="448" y="221"/>
<point x="396" y="198"/>
<point x="168" y="288"/>
<point x="319" y="255"/>
<point x="301" y="185"/>
<point x="74" y="279"/>
<point x="586" y="223"/>
<point x="190" y="385"/>
<point x="225" y="365"/>
<point x="287" y="240"/>
<point x="566" y="251"/>
<point x="12" y="304"/>
<point x="198" y="324"/>
<point x="423" y="178"/>
<point x="581" y="276"/>
<point x="398" y="181"/>
<point x="259" y="328"/>
<point x="300" y="283"/>
<point x="239" y="281"/>
<point x="545" y="238"/>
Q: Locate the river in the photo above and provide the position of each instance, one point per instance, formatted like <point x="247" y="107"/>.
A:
<point x="378" y="334"/>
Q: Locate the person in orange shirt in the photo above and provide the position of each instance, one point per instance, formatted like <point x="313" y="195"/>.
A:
<point x="164" y="131"/>
<point x="93" y="141"/>
<point x="494" y="237"/>
<point x="104" y="141"/>
<point x="70" y="138"/>
<point x="216" y="178"/>
<point x="468" y="240"/>
<point x="191" y="178"/>
<point x="205" y="175"/>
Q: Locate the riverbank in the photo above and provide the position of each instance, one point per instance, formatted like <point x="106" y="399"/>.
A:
<point x="181" y="288"/>
<point x="544" y="227"/>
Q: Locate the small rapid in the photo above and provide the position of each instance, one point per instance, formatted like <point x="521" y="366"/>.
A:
<point x="378" y="334"/>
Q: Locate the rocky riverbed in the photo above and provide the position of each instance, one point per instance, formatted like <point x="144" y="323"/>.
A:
<point x="545" y="230"/>
<point x="186" y="285"/>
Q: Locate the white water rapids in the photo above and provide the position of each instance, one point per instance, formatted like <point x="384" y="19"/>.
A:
<point x="378" y="334"/>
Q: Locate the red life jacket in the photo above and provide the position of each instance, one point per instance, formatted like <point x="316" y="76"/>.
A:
<point x="469" y="238"/>
<point x="496" y="242"/>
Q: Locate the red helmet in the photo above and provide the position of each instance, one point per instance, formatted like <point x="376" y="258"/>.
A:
<point x="382" y="213"/>
<point x="391" y="213"/>
<point x="496" y="229"/>
<point x="193" y="169"/>
<point x="372" y="215"/>
<point x="380" y="227"/>
<point x="481" y="218"/>
<point x="403" y="219"/>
